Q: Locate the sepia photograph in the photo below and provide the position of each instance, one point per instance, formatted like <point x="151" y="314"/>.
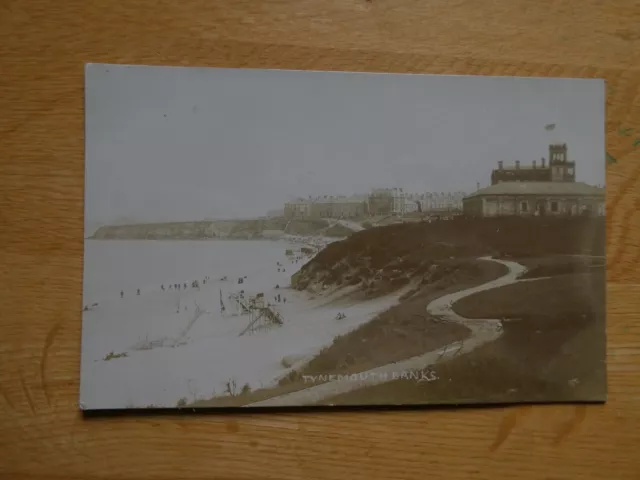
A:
<point x="273" y="238"/>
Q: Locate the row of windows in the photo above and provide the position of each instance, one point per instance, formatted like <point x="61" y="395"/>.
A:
<point x="558" y="170"/>
<point x="524" y="207"/>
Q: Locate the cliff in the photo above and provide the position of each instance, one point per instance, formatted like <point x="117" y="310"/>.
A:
<point x="382" y="259"/>
<point x="224" y="229"/>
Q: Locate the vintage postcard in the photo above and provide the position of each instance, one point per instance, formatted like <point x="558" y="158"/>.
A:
<point x="270" y="238"/>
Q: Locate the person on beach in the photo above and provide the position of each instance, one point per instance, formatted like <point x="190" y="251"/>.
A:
<point x="121" y="294"/>
<point x="284" y="299"/>
<point x="138" y="293"/>
<point x="185" y="286"/>
<point x="162" y="287"/>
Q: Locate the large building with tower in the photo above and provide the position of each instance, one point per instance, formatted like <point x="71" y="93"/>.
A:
<point x="546" y="189"/>
<point x="558" y="169"/>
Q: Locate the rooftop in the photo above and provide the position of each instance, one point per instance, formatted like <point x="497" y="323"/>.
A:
<point x="353" y="199"/>
<point x="539" y="188"/>
<point x="524" y="167"/>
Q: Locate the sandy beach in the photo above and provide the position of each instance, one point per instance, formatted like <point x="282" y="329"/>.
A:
<point x="163" y="346"/>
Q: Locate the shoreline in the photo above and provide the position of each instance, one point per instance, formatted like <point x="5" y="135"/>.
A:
<point x="138" y="337"/>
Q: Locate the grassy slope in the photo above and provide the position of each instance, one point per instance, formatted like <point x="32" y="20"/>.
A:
<point x="398" y="333"/>
<point x="338" y="231"/>
<point x="559" y="265"/>
<point x="384" y="258"/>
<point x="404" y="330"/>
<point x="441" y="256"/>
<point x="552" y="349"/>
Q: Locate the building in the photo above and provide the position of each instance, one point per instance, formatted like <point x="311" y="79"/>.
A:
<point x="439" y="201"/>
<point x="299" y="208"/>
<point x="327" y="207"/>
<point x="552" y="198"/>
<point x="412" y="205"/>
<point x="559" y="169"/>
<point x="399" y="201"/>
<point x="350" y="207"/>
<point x="381" y="201"/>
<point x="387" y="201"/>
<point x="338" y="207"/>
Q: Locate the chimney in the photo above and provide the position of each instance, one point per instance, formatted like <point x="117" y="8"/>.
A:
<point x="534" y="164"/>
<point x="517" y="164"/>
<point x="542" y="160"/>
<point x="500" y="164"/>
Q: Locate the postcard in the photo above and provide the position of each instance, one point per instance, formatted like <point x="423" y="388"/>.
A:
<point x="272" y="238"/>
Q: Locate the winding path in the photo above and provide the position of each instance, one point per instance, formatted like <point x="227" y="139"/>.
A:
<point x="482" y="331"/>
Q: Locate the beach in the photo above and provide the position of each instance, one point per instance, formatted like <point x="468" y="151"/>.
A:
<point x="166" y="345"/>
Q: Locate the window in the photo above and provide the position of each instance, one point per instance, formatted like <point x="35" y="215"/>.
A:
<point x="524" y="207"/>
<point x="570" y="171"/>
<point x="554" y="206"/>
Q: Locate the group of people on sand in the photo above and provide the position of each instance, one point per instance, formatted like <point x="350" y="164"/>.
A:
<point x="175" y="286"/>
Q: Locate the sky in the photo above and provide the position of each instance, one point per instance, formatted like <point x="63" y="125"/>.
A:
<point x="183" y="143"/>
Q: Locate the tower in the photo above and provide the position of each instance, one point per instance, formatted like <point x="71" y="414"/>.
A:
<point x="562" y="170"/>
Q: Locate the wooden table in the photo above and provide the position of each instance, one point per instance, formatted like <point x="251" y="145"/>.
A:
<point x="43" y="45"/>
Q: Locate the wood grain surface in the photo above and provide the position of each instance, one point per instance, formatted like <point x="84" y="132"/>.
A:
<point x="43" y="46"/>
